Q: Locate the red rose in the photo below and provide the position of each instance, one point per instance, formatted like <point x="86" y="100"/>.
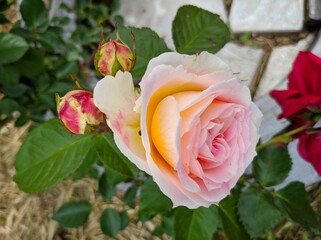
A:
<point x="310" y="149"/>
<point x="303" y="96"/>
<point x="304" y="89"/>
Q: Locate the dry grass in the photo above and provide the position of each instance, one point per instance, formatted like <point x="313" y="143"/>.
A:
<point x="24" y="216"/>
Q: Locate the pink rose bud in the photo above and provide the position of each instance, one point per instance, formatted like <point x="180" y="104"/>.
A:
<point x="114" y="55"/>
<point x="79" y="115"/>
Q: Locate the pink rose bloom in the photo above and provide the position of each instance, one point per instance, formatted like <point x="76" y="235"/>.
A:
<point x="194" y="127"/>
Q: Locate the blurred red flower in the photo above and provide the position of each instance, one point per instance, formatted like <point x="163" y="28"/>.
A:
<point x="304" y="89"/>
<point x="301" y="104"/>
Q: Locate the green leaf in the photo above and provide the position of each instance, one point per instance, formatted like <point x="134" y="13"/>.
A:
<point x="110" y="156"/>
<point x="9" y="75"/>
<point x="152" y="200"/>
<point x="145" y="216"/>
<point x="231" y="225"/>
<point x="100" y="13"/>
<point x="124" y="220"/>
<point x="12" y="48"/>
<point x="32" y="63"/>
<point x="245" y="37"/>
<point x="8" y="105"/>
<point x="60" y="21"/>
<point x="41" y="82"/>
<point x="80" y="35"/>
<point x="64" y="69"/>
<point x="60" y="87"/>
<point x="115" y="5"/>
<point x="37" y="115"/>
<point x="34" y="13"/>
<point x="72" y="214"/>
<point x="119" y="20"/>
<point x="114" y="177"/>
<point x="195" y="30"/>
<point x="272" y="165"/>
<point x="148" y="44"/>
<point x="48" y="155"/>
<point x="256" y="212"/>
<point x="166" y="226"/>
<point x="21" y="120"/>
<point x="48" y="101"/>
<point x="130" y="195"/>
<point x="16" y="90"/>
<point x="86" y="165"/>
<point x="106" y="189"/>
<point x="20" y="31"/>
<point x="110" y="222"/>
<point x="197" y="224"/>
<point x="50" y="40"/>
<point x="294" y="201"/>
<point x="66" y="7"/>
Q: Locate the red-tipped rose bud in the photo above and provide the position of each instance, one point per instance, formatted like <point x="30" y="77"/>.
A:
<point x="114" y="55"/>
<point x="79" y="115"/>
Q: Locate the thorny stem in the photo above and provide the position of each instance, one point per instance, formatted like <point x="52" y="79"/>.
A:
<point x="284" y="138"/>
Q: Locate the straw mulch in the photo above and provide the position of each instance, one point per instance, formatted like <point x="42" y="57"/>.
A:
<point x="28" y="217"/>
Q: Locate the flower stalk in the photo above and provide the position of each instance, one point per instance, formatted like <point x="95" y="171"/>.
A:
<point x="283" y="139"/>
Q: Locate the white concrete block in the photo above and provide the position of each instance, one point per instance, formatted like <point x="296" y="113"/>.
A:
<point x="316" y="49"/>
<point x="280" y="65"/>
<point x="267" y="15"/>
<point x="315" y="9"/>
<point x="270" y="109"/>
<point x="244" y="61"/>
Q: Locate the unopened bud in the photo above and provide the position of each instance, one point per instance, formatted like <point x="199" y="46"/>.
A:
<point x="114" y="55"/>
<point x="79" y="115"/>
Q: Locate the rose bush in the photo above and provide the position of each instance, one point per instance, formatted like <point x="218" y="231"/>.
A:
<point x="301" y="104"/>
<point x="194" y="127"/>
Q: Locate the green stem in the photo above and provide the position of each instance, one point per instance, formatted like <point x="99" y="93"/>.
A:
<point x="284" y="138"/>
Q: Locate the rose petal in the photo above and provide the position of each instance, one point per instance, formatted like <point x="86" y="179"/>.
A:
<point x="115" y="96"/>
<point x="189" y="151"/>
<point x="136" y="159"/>
<point x="306" y="74"/>
<point x="201" y="64"/>
<point x="165" y="130"/>
<point x="192" y="114"/>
